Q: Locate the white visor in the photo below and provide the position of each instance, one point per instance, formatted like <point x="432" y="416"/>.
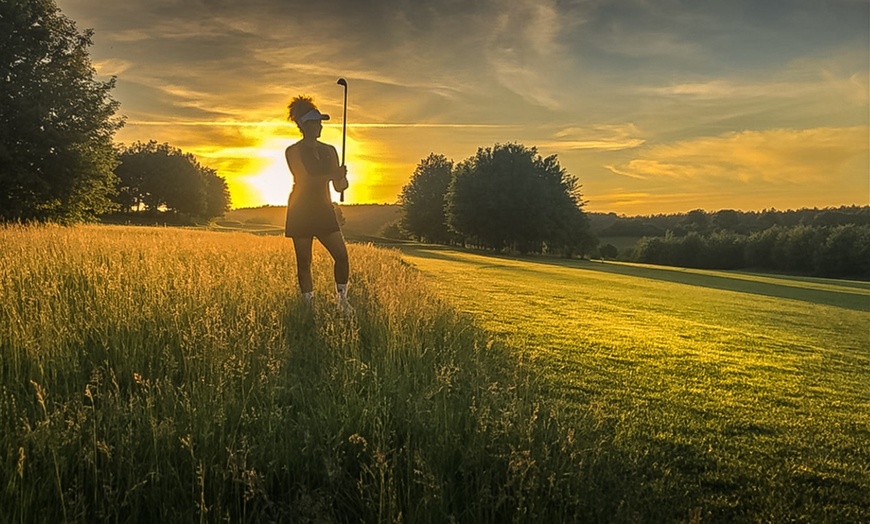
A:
<point x="312" y="115"/>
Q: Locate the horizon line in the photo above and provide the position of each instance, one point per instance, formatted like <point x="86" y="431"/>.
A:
<point x="272" y="123"/>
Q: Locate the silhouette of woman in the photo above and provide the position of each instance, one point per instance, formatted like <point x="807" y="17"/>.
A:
<point x="310" y="213"/>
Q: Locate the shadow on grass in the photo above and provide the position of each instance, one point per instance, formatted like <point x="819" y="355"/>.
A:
<point x="859" y="300"/>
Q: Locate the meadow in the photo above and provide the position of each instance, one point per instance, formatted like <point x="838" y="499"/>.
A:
<point x="734" y="396"/>
<point x="159" y="374"/>
<point x="168" y="375"/>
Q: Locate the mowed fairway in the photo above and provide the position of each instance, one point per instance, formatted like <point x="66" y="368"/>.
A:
<point x="747" y="395"/>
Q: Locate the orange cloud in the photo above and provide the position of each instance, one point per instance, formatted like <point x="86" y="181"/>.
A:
<point x="819" y="155"/>
<point x="599" y="137"/>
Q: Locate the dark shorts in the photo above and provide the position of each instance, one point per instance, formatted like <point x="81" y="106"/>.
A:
<point x="305" y="220"/>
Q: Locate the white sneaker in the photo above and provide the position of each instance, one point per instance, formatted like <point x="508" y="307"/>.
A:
<point x="344" y="306"/>
<point x="308" y="299"/>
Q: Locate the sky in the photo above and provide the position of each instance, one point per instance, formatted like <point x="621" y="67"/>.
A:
<point x="656" y="106"/>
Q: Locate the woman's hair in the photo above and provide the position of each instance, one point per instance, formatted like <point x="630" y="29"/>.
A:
<point x="300" y="106"/>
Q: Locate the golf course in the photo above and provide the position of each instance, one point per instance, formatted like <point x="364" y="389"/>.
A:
<point x="170" y="374"/>
<point x="746" y="391"/>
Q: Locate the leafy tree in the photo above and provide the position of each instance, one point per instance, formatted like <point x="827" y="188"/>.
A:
<point x="566" y="226"/>
<point x="56" y="121"/>
<point x="631" y="227"/>
<point x="161" y="177"/>
<point x="728" y="220"/>
<point x="829" y="242"/>
<point x="393" y="231"/>
<point x="609" y="251"/>
<point x="796" y="246"/>
<point x="696" y="221"/>
<point x="651" y="250"/>
<point x="423" y="200"/>
<point x="724" y="250"/>
<point x="760" y="248"/>
<point x="508" y="196"/>
<point x="217" y="194"/>
<point x="845" y="253"/>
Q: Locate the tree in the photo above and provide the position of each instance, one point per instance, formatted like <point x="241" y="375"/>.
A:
<point x="728" y="220"/>
<point x="56" y="121"/>
<point x="423" y="200"/>
<point x="162" y="177"/>
<point x="508" y="196"/>
<point x="697" y="221"/>
<point x="567" y="226"/>
<point x="845" y="252"/>
<point x="609" y="251"/>
<point x="217" y="194"/>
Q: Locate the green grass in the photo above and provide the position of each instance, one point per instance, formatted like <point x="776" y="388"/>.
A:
<point x="167" y="375"/>
<point x="732" y="396"/>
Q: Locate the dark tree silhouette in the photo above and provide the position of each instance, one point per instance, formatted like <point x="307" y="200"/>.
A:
<point x="609" y="251"/>
<point x="56" y="121"/>
<point x="831" y="242"/>
<point x="423" y="200"/>
<point x="508" y="197"/>
<point x="156" y="177"/>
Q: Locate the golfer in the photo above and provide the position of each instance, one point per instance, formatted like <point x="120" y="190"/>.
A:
<point x="310" y="213"/>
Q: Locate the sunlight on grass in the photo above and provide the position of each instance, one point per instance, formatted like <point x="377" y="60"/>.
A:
<point x="162" y="375"/>
<point x="174" y="375"/>
<point x="747" y="401"/>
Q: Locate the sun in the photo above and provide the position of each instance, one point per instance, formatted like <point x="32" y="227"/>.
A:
<point x="273" y="182"/>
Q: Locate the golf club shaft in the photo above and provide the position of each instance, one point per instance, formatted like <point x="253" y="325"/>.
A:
<point x="343" y="82"/>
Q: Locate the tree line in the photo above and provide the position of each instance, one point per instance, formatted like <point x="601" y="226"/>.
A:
<point x="741" y="222"/>
<point x="154" y="177"/>
<point x="504" y="198"/>
<point x="832" y="242"/>
<point x="58" y="161"/>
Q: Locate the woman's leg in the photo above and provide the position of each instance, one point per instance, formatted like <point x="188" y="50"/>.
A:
<point x="334" y="243"/>
<point x="302" y="246"/>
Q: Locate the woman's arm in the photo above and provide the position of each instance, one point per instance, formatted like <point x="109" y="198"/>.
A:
<point x="339" y="176"/>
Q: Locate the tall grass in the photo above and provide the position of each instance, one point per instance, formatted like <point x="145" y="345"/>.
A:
<point x="165" y="375"/>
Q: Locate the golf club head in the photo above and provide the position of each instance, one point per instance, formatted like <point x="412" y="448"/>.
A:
<point x="342" y="82"/>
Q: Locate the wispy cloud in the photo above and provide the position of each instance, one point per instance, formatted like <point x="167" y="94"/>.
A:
<point x="629" y="201"/>
<point x="525" y="51"/>
<point x="803" y="156"/>
<point x="603" y="137"/>
<point x="111" y="66"/>
<point x="763" y="96"/>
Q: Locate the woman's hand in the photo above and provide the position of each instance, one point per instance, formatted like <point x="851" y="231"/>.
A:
<point x="340" y="182"/>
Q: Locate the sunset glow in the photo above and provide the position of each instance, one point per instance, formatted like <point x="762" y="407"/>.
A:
<point x="656" y="107"/>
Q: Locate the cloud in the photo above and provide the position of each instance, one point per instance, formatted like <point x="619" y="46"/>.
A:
<point x="778" y="156"/>
<point x="628" y="201"/>
<point x="842" y="77"/>
<point x="602" y="137"/>
<point x="524" y="50"/>
<point x="111" y="66"/>
<point x="722" y="88"/>
<point x="707" y="92"/>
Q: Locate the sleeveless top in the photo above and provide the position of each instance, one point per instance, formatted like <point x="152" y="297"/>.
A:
<point x="309" y="208"/>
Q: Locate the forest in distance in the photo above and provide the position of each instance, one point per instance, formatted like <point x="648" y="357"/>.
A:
<point x="833" y="241"/>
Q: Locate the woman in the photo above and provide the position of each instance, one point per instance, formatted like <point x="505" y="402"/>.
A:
<point x="310" y="214"/>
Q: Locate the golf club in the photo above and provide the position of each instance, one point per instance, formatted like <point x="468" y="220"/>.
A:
<point x="343" y="82"/>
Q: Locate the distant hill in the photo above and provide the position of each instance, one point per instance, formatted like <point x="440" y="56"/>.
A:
<point x="272" y="215"/>
<point x="369" y="219"/>
<point x="364" y="220"/>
